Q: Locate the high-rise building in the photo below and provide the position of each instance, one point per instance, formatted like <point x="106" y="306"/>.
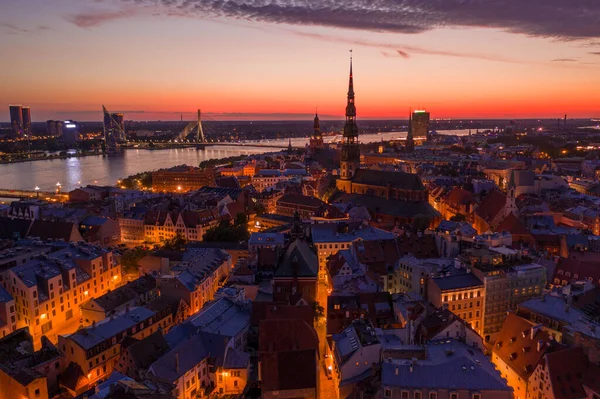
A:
<point x="70" y="132"/>
<point x="16" y="120"/>
<point x="26" y="116"/>
<point x="350" y="156"/>
<point x="420" y="124"/>
<point x="54" y="128"/>
<point x="410" y="140"/>
<point x="316" y="140"/>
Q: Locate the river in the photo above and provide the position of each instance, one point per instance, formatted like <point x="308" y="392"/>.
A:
<point x="97" y="169"/>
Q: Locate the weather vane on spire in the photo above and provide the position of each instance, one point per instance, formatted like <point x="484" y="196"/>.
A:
<point x="350" y="54"/>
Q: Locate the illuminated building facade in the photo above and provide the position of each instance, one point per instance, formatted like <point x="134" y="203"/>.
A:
<point x="26" y="115"/>
<point x="316" y="140"/>
<point x="70" y="132"/>
<point x="350" y="156"/>
<point x="48" y="291"/>
<point x="182" y="179"/>
<point x="420" y="124"/>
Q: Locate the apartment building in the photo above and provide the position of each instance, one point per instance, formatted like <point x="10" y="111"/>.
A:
<point x="505" y="288"/>
<point x="197" y="277"/>
<point x="162" y="225"/>
<point x="463" y="295"/>
<point x="181" y="179"/>
<point x="49" y="290"/>
<point x="329" y="238"/>
<point x="8" y="317"/>
<point x="96" y="349"/>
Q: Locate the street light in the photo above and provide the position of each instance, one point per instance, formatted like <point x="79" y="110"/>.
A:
<point x="58" y="188"/>
<point x="37" y="191"/>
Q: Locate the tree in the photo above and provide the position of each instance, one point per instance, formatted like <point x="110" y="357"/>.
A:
<point x="177" y="243"/>
<point x="259" y="209"/>
<point x="225" y="232"/>
<point x="240" y="219"/>
<point x="130" y="259"/>
<point x="319" y="311"/>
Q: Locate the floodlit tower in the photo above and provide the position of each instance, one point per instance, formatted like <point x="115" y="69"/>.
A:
<point x="350" y="156"/>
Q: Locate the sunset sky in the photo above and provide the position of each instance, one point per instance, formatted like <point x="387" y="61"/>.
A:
<point x="279" y="59"/>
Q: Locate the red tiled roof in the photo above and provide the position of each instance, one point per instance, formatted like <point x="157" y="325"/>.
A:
<point x="335" y="263"/>
<point x="566" y="368"/>
<point x="518" y="349"/>
<point x="513" y="225"/>
<point x="591" y="378"/>
<point x="584" y="265"/>
<point x="459" y="196"/>
<point x="300" y="200"/>
<point x="329" y="212"/>
<point x="288" y="354"/>
<point x="285" y="334"/>
<point x="491" y="205"/>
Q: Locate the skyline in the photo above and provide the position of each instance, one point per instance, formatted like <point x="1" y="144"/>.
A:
<point x="153" y="61"/>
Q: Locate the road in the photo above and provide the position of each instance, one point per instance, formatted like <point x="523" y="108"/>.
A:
<point x="326" y="387"/>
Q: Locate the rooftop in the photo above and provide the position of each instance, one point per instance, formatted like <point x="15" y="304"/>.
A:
<point x="457" y="282"/>
<point x="108" y="328"/>
<point x="346" y="232"/>
<point x="449" y="365"/>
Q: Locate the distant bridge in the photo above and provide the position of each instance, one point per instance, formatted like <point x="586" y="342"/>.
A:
<point x="143" y="144"/>
<point x="26" y="194"/>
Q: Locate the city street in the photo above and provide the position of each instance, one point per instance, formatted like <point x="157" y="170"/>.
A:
<point x="326" y="387"/>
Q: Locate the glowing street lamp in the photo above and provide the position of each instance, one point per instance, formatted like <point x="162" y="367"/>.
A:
<point x="58" y="188"/>
<point x="37" y="191"/>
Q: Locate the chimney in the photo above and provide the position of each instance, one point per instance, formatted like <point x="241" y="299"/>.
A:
<point x="93" y="324"/>
<point x="540" y="345"/>
<point x="397" y="370"/>
<point x="567" y="308"/>
<point x="127" y="309"/>
<point x="177" y="362"/>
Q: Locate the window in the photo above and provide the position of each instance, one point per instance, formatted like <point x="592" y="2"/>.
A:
<point x="37" y="392"/>
<point x="417" y="395"/>
<point x="432" y="395"/>
<point x="404" y="395"/>
<point x="476" y="396"/>
<point x="387" y="393"/>
<point x="454" y="395"/>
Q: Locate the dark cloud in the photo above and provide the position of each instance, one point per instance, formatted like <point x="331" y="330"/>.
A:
<point x="396" y="54"/>
<point x="12" y="29"/>
<point x="595" y="52"/>
<point x="91" y="19"/>
<point x="565" y="60"/>
<point x="406" y="49"/>
<point x="557" y="19"/>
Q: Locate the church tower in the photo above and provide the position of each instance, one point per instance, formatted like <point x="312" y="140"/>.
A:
<point x="410" y="141"/>
<point x="316" y="141"/>
<point x="350" y="156"/>
<point x="511" y="201"/>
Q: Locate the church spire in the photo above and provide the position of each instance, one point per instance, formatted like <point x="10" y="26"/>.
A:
<point x="351" y="81"/>
<point x="350" y="154"/>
